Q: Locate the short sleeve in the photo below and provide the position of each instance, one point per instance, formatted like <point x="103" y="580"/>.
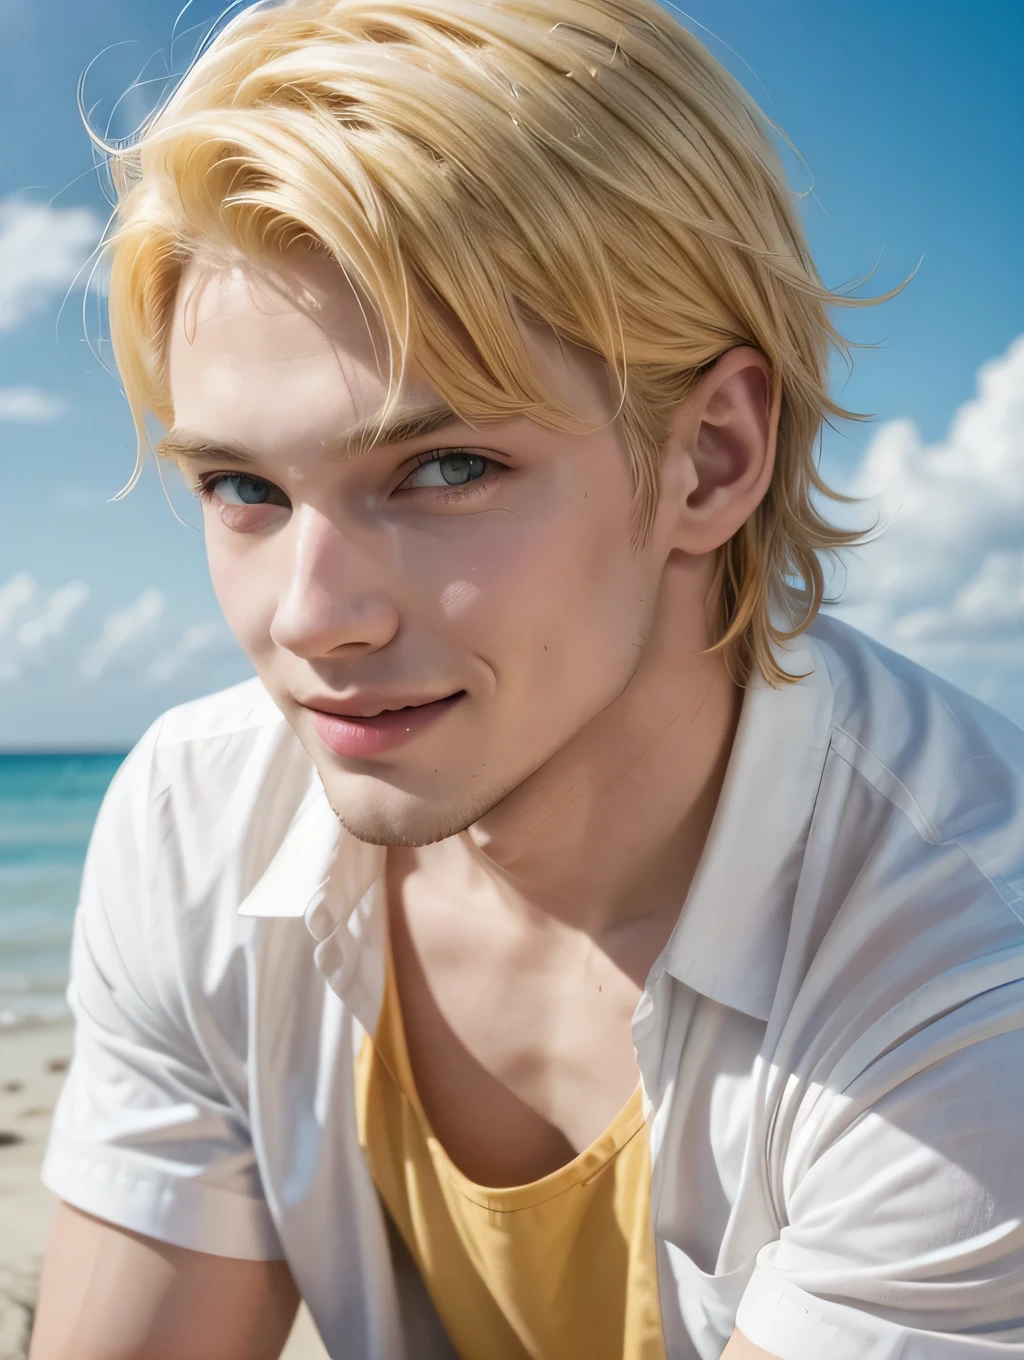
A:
<point x="905" y="1231"/>
<point x="145" y="1134"/>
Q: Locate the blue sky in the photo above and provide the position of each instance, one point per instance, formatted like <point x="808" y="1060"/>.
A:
<point x="910" y="117"/>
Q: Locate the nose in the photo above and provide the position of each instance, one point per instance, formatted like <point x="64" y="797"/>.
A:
<point x="335" y="598"/>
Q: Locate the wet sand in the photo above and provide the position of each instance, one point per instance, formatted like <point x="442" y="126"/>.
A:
<point x="33" y="1061"/>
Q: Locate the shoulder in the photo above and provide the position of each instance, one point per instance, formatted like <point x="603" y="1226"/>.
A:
<point x="200" y="807"/>
<point x="244" y="707"/>
<point x="194" y="817"/>
<point x="950" y="765"/>
<point x="221" y="737"/>
<point x="214" y="761"/>
<point x="907" y="935"/>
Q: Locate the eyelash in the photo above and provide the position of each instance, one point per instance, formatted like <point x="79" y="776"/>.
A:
<point x="206" y="484"/>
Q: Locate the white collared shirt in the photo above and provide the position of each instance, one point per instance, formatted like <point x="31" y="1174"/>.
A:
<point x="831" y="1043"/>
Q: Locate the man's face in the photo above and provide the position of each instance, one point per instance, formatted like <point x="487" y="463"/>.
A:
<point x="483" y="581"/>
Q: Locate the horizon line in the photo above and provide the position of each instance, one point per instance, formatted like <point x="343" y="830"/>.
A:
<point x="63" y="751"/>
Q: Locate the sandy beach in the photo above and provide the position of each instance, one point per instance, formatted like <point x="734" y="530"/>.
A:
<point x="33" y="1061"/>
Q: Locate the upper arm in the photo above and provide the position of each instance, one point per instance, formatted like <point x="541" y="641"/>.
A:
<point x="107" y="1292"/>
<point x="904" y="1208"/>
<point x="151" y="1134"/>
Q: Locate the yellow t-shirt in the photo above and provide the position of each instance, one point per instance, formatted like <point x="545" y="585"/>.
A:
<point x="560" y="1268"/>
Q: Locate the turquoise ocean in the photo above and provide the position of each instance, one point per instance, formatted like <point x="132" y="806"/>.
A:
<point x="48" y="804"/>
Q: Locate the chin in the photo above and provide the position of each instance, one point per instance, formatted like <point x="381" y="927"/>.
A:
<point x="392" y="818"/>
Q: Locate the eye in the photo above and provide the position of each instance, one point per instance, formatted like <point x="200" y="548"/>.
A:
<point x="453" y="469"/>
<point x="238" y="488"/>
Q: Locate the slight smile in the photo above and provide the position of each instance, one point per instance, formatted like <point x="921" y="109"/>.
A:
<point x="368" y="727"/>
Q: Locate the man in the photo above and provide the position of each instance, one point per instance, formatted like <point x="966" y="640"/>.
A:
<point x="568" y="945"/>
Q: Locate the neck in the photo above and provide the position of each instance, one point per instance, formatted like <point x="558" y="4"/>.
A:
<point x="611" y="829"/>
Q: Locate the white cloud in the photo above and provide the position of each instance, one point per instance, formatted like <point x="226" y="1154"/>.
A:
<point x="32" y="618"/>
<point x="944" y="581"/>
<point x="199" y="638"/>
<point x="54" y="618"/>
<point x="121" y="628"/>
<point x="19" y="591"/>
<point x="24" y="642"/>
<point x="30" y="404"/>
<point x="42" y="250"/>
<point x="990" y="603"/>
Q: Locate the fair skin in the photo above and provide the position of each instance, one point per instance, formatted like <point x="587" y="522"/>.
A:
<point x="544" y="830"/>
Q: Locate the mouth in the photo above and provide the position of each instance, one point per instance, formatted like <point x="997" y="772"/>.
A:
<point x="390" y="710"/>
<point x="375" y="733"/>
<point x="362" y="707"/>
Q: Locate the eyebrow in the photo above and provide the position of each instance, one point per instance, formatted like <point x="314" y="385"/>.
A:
<point x="404" y="424"/>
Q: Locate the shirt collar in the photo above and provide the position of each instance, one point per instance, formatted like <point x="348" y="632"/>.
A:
<point x="733" y="927"/>
<point x="318" y="866"/>
<point x="322" y="873"/>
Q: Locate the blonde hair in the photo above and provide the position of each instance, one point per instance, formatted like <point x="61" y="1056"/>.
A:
<point x="582" y="163"/>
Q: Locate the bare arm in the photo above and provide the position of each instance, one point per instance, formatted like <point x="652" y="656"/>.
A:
<point x="739" y="1348"/>
<point x="109" y="1294"/>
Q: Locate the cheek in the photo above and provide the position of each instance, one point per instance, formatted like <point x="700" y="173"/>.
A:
<point x="554" y="598"/>
<point x="246" y="599"/>
<point x="594" y="607"/>
<point x="460" y="600"/>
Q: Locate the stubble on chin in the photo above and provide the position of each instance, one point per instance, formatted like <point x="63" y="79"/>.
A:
<point x="419" y="827"/>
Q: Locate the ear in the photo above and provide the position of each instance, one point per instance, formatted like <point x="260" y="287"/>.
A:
<point x="719" y="455"/>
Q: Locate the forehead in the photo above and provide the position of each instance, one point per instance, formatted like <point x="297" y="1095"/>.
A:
<point x="299" y="304"/>
<point x="256" y="352"/>
<point x="264" y="351"/>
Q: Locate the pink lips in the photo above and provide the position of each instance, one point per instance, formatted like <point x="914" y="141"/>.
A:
<point x="387" y="731"/>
